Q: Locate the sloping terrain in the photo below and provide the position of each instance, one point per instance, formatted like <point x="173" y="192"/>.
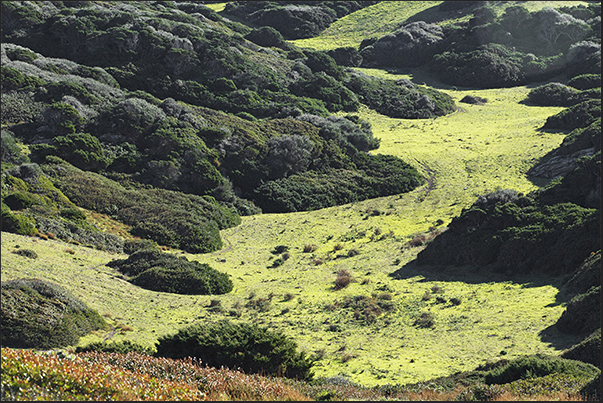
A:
<point x="335" y="270"/>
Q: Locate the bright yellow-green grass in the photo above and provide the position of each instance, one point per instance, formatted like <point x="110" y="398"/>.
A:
<point x="466" y="154"/>
<point x="387" y="16"/>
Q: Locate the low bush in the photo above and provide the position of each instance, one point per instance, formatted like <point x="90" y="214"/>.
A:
<point x="588" y="350"/>
<point x="552" y="94"/>
<point x="585" y="81"/>
<point x="158" y="271"/>
<point x="251" y="348"/>
<point x="40" y="314"/>
<point x="583" y="313"/>
<point x="343" y="279"/>
<point x="27" y="253"/>
<point x="535" y="366"/>
<point x="119" y="347"/>
<point x="577" y="116"/>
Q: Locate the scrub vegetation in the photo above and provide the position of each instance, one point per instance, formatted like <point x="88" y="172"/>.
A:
<point x="300" y="200"/>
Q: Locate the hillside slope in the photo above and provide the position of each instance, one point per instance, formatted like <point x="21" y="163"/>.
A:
<point x="322" y="199"/>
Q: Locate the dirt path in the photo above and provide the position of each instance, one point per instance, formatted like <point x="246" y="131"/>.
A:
<point x="430" y="180"/>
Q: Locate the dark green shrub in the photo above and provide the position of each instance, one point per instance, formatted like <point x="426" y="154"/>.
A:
<point x="583" y="313"/>
<point x="585" y="81"/>
<point x="588" y="350"/>
<point x="552" y="94"/>
<point x="21" y="54"/>
<point x="135" y="245"/>
<point x="21" y="200"/>
<point x="592" y="390"/>
<point x="27" y="253"/>
<point x="249" y="347"/>
<point x="62" y="118"/>
<point x="82" y="150"/>
<point x="154" y="270"/>
<point x="118" y="347"/>
<point x="73" y="214"/>
<point x="40" y="314"/>
<point x="579" y="115"/>
<point x="17" y="223"/>
<point x="536" y="366"/>
<point x="267" y="36"/>
<point x="11" y="152"/>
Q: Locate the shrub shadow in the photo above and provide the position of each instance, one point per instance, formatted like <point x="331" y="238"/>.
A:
<point x="477" y="275"/>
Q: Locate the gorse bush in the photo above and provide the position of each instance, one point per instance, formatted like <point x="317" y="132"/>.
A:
<point x="251" y="348"/>
<point x="159" y="271"/>
<point x="43" y="315"/>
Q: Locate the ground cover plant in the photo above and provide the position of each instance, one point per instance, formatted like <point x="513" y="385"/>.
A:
<point x="336" y="272"/>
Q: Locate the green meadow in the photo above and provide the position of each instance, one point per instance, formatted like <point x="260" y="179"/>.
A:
<point x="370" y="331"/>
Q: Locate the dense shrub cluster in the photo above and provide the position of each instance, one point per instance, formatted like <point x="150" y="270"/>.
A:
<point x="399" y="99"/>
<point x="158" y="271"/>
<point x="251" y="348"/>
<point x="588" y="350"/>
<point x="295" y="19"/>
<point x="576" y="116"/>
<point x="170" y="218"/>
<point x="39" y="314"/>
<point x="536" y="366"/>
<point x="488" y="51"/>
<point x="32" y="205"/>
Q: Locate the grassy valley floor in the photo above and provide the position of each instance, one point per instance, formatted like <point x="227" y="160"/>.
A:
<point x="370" y="331"/>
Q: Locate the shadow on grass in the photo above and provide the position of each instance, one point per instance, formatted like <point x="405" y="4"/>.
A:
<point x="485" y="275"/>
<point x="477" y="275"/>
<point x="558" y="339"/>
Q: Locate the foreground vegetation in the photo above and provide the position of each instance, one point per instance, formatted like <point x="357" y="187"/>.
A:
<point x="109" y="376"/>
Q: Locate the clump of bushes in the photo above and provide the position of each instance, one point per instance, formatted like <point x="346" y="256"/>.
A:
<point x="426" y="320"/>
<point x="343" y="279"/>
<point x="40" y="314"/>
<point x="119" y="347"/>
<point x="27" y="253"/>
<point x="251" y="348"/>
<point x="553" y="94"/>
<point x="536" y="366"/>
<point x="159" y="271"/>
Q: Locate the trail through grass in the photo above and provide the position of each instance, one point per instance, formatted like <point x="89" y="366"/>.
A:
<point x="466" y="154"/>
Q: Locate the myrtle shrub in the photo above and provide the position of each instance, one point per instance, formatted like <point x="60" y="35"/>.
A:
<point x="11" y="152"/>
<point x="588" y="350"/>
<point x="120" y="347"/>
<point x="40" y="314"/>
<point x="537" y="366"/>
<point x="577" y="116"/>
<point x="170" y="218"/>
<point x="585" y="81"/>
<point x="251" y="348"/>
<point x="158" y="271"/>
<point x="553" y="94"/>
